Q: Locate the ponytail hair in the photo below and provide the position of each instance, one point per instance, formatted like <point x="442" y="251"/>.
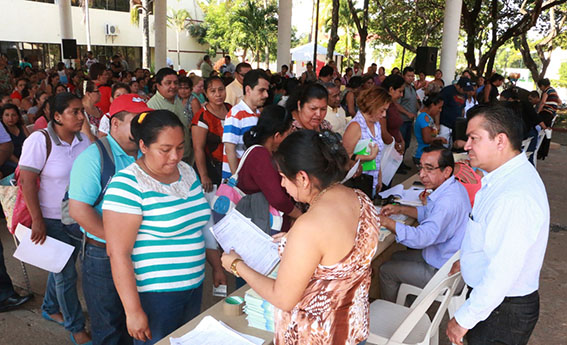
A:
<point x="320" y="154"/>
<point x="147" y="126"/>
<point x="273" y="119"/>
<point x="432" y="99"/>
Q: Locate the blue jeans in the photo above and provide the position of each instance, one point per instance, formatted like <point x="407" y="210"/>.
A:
<point x="533" y="133"/>
<point x="406" y="130"/>
<point x="167" y="311"/>
<point x="61" y="290"/>
<point x="108" y="321"/>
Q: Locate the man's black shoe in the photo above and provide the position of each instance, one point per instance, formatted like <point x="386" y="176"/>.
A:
<point x="13" y="302"/>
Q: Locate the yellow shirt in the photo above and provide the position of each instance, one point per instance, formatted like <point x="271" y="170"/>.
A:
<point x="234" y="93"/>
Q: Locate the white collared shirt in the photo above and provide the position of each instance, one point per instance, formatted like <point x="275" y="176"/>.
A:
<point x="505" y="241"/>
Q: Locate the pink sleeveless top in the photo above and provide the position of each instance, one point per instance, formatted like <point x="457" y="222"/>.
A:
<point x="334" y="306"/>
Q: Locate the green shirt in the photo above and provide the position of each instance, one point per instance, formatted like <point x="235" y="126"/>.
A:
<point x="206" y="70"/>
<point x="159" y="102"/>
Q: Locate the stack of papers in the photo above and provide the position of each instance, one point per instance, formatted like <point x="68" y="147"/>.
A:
<point x="256" y="248"/>
<point x="259" y="312"/>
<point x="408" y="197"/>
<point x="212" y="332"/>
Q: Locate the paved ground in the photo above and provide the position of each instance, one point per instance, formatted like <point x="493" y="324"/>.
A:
<point x="25" y="326"/>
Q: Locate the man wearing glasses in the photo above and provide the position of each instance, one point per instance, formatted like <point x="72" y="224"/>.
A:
<point x="442" y="224"/>
<point x="235" y="90"/>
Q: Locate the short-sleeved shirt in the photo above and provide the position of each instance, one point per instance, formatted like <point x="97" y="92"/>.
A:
<point x="206" y="69"/>
<point x="105" y="95"/>
<point x="4" y="136"/>
<point x="169" y="252"/>
<point x="215" y="127"/>
<point x="394" y="122"/>
<point x="159" y="102"/>
<point x="55" y="172"/>
<point x="453" y="105"/>
<point x="234" y="92"/>
<point x="239" y="120"/>
<point x="423" y="120"/>
<point x="337" y="119"/>
<point x="409" y="102"/>
<point x="16" y="95"/>
<point x="85" y="185"/>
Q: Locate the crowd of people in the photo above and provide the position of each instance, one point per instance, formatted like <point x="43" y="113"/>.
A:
<point x="136" y="154"/>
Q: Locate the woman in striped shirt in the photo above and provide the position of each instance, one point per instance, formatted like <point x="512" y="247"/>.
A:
<point x="153" y="213"/>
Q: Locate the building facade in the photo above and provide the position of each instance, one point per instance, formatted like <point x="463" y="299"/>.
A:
<point x="31" y="28"/>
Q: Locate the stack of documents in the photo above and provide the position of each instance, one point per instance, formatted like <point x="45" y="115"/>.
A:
<point x="259" y="312"/>
<point x="409" y="197"/>
<point x="213" y="332"/>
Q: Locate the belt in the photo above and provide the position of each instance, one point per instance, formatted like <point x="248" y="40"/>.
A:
<point x="510" y="299"/>
<point x="95" y="242"/>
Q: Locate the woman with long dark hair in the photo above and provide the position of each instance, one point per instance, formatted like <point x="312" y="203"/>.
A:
<point x="321" y="290"/>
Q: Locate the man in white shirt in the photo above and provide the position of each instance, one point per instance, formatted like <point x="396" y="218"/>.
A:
<point x="335" y="113"/>
<point x="506" y="237"/>
<point x="235" y="90"/>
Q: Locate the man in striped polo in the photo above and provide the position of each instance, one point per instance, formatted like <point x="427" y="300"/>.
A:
<point x="241" y="118"/>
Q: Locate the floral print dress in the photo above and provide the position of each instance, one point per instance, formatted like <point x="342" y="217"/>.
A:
<point x="334" y="306"/>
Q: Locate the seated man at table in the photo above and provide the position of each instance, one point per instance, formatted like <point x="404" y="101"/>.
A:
<point x="442" y="223"/>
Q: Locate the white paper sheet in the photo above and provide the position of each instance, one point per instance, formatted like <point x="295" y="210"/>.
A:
<point x="409" y="197"/>
<point x="212" y="332"/>
<point x="391" y="161"/>
<point x="51" y="256"/>
<point x="351" y="172"/>
<point x="255" y="247"/>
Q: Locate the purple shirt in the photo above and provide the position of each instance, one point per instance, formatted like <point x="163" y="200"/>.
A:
<point x="56" y="171"/>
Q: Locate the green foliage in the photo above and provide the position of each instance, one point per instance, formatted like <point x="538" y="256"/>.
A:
<point x="178" y="19"/>
<point x="562" y="82"/>
<point x="415" y="23"/>
<point x="238" y="24"/>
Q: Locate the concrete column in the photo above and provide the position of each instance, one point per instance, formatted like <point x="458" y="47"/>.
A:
<point x="284" y="33"/>
<point x="65" y="22"/>
<point x="451" y="26"/>
<point x="160" y="27"/>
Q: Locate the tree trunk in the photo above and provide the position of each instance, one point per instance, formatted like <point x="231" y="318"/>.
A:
<point x="492" y="57"/>
<point x="362" y="29"/>
<point x="146" y="52"/>
<point x="470" y="24"/>
<point x="178" y="52"/>
<point x="334" y="38"/>
<point x="528" y="60"/>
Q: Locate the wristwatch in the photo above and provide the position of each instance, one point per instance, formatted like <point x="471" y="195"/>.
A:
<point x="233" y="267"/>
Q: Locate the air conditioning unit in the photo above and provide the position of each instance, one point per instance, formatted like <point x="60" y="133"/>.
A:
<point x="111" y="30"/>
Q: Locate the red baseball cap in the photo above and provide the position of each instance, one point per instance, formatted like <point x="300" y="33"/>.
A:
<point x="131" y="103"/>
<point x="182" y="72"/>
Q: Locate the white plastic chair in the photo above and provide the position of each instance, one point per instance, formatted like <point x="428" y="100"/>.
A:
<point x="456" y="300"/>
<point x="526" y="144"/>
<point x="394" y="324"/>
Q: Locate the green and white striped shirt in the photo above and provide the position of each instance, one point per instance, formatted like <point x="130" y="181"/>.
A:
<point x="169" y="252"/>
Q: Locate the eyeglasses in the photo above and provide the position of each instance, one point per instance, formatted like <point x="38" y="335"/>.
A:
<point x="427" y="168"/>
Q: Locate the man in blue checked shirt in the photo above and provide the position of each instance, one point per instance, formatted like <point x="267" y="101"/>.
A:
<point x="442" y="224"/>
<point x="506" y="237"/>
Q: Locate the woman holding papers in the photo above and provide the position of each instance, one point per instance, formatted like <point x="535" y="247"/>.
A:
<point x="49" y="155"/>
<point x="259" y="173"/>
<point x="366" y="125"/>
<point x="153" y="214"/>
<point x="321" y="291"/>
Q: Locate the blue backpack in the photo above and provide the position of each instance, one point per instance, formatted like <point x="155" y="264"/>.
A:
<point x="107" y="168"/>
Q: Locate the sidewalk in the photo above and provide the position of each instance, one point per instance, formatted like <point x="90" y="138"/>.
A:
<point x="25" y="326"/>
